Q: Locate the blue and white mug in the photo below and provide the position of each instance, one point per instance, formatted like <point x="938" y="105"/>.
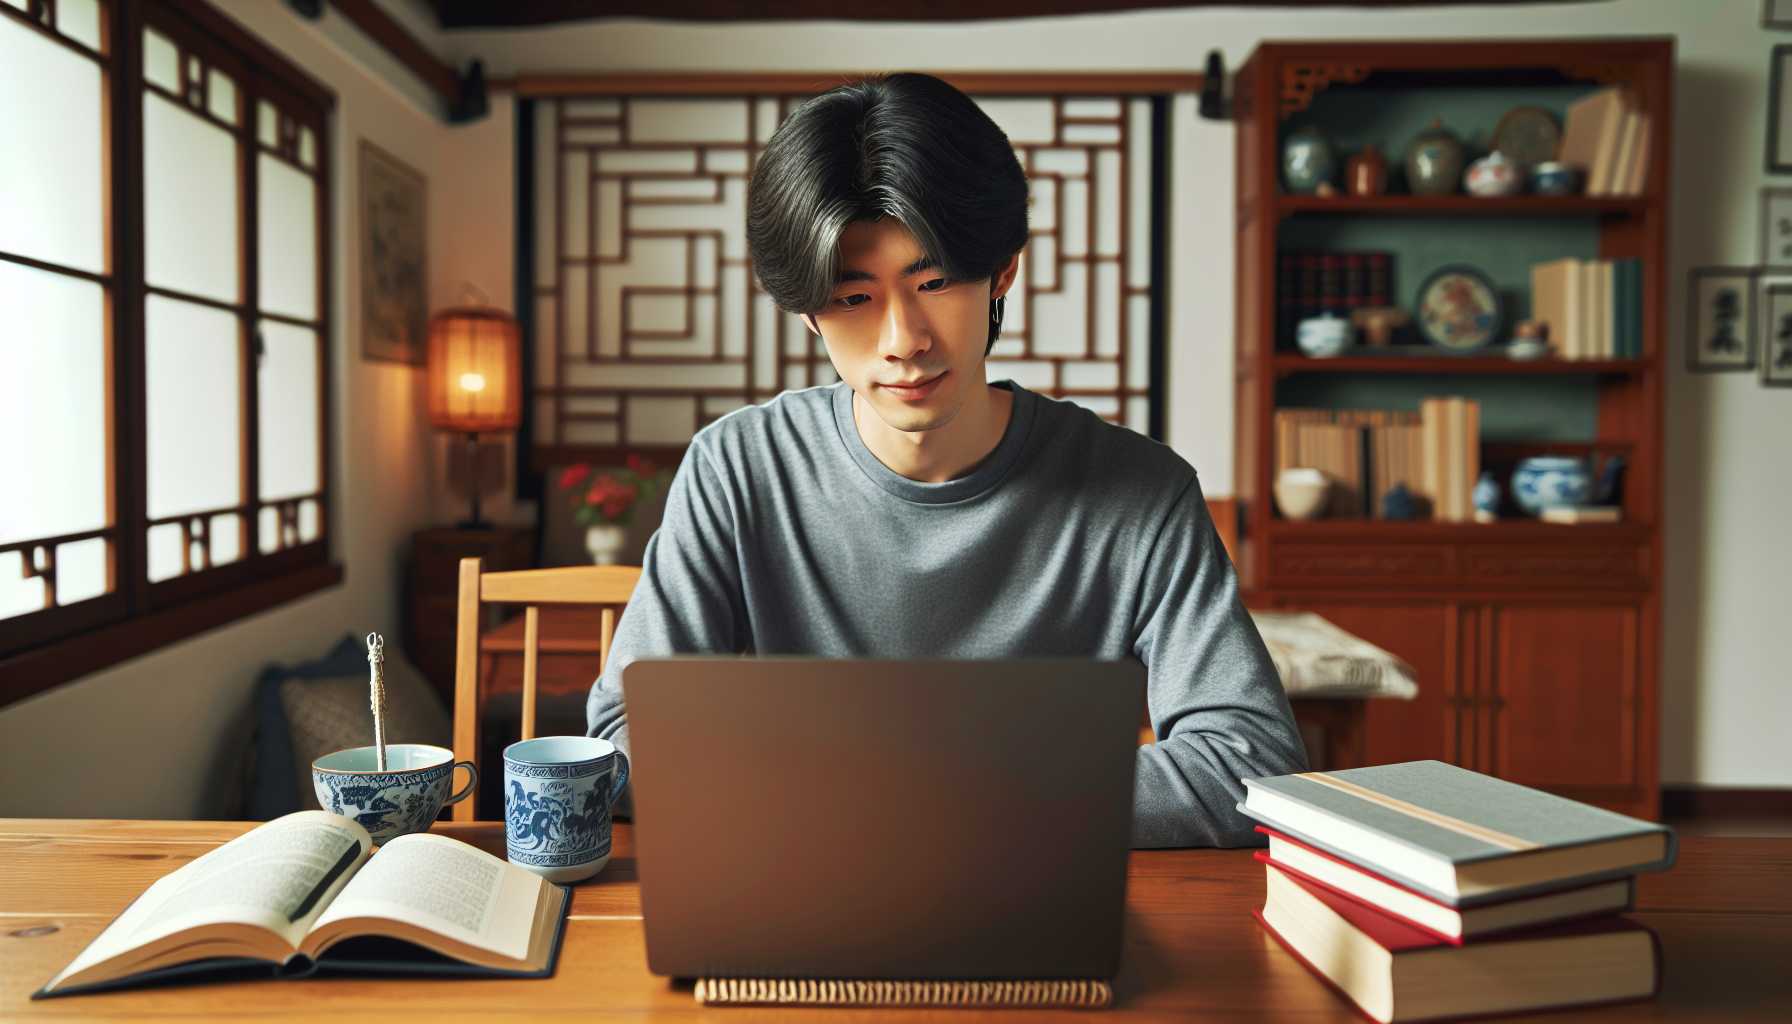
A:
<point x="558" y="793"/>
<point x="404" y="798"/>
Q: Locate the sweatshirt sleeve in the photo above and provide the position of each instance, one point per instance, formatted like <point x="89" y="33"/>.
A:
<point x="688" y="600"/>
<point x="1217" y="706"/>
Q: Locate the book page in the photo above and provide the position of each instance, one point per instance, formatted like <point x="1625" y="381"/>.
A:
<point x="278" y="876"/>
<point x="448" y="887"/>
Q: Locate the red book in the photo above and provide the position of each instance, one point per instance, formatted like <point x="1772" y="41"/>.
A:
<point x="1454" y="925"/>
<point x="1392" y="971"/>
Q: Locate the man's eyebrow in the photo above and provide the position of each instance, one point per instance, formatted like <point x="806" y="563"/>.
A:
<point x="924" y="263"/>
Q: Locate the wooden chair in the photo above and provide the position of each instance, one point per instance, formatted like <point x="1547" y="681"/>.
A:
<point x="606" y="585"/>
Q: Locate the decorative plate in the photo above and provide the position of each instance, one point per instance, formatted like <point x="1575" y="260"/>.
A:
<point x="1458" y="309"/>
<point x="1527" y="135"/>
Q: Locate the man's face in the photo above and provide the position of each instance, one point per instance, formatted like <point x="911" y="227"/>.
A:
<point x="894" y="319"/>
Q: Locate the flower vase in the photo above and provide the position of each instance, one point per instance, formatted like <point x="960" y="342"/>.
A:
<point x="605" y="541"/>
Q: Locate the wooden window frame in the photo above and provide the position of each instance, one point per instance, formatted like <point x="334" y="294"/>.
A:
<point x="42" y="649"/>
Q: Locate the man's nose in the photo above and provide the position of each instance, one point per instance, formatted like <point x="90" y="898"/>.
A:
<point x="905" y="331"/>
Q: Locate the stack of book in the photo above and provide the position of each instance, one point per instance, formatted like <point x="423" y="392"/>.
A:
<point x="1309" y="283"/>
<point x="1594" y="308"/>
<point x="1434" y="453"/>
<point x="1607" y="138"/>
<point x="1422" y="891"/>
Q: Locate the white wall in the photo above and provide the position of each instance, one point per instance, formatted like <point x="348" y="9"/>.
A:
<point x="1726" y="704"/>
<point x="153" y="737"/>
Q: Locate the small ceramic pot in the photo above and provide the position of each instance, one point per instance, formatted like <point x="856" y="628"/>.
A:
<point x="1551" y="178"/>
<point x="1308" y="160"/>
<point x="605" y="542"/>
<point x="1486" y="496"/>
<point x="1526" y="349"/>
<point x="1301" y="493"/>
<point x="1366" y="173"/>
<point x="1551" y="481"/>
<point x="1323" y="336"/>
<point x="1492" y="175"/>
<point x="1434" y="162"/>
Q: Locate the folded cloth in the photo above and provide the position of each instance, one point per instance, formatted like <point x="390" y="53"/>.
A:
<point x="1317" y="659"/>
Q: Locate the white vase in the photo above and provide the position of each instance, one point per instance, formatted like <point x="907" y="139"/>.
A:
<point x="605" y="541"/>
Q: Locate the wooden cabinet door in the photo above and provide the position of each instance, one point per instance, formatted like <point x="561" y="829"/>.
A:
<point x="1558" y="695"/>
<point x="1422" y="633"/>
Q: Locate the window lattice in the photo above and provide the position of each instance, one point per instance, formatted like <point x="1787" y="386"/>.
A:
<point x="648" y="323"/>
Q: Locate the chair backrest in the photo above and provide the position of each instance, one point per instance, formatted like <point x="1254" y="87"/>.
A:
<point x="606" y="585"/>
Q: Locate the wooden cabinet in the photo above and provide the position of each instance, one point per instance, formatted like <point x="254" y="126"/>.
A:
<point x="432" y="584"/>
<point x="1536" y="645"/>
<point x="1558" y="693"/>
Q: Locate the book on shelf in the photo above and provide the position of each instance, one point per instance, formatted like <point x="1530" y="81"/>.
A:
<point x="1591" y="136"/>
<point x="1393" y="971"/>
<point x="1582" y="514"/>
<point x="1636" y="179"/>
<point x="305" y="894"/>
<point x="1310" y="282"/>
<point x="1457" y="836"/>
<point x="1450" y="456"/>
<point x="1593" y="307"/>
<point x="1454" y="925"/>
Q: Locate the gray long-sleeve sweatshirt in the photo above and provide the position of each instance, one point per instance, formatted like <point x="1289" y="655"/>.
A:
<point x="784" y="534"/>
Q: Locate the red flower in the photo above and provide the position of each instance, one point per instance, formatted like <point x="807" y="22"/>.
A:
<point x="572" y="476"/>
<point x="640" y="465"/>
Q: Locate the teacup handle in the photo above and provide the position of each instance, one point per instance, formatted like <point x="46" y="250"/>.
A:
<point x="620" y="779"/>
<point x="472" y="781"/>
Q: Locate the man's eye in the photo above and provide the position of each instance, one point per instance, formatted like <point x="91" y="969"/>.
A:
<point x="937" y="284"/>
<point x="853" y="300"/>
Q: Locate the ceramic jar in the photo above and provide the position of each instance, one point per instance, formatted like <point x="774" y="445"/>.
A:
<point x="1434" y="162"/>
<point x="1366" y="173"/>
<point x="1323" y="336"/>
<point x="1308" y="160"/>
<point x="1492" y="175"/>
<point x="1300" y="492"/>
<point x="605" y="542"/>
<point x="1551" y="481"/>
<point x="1551" y="178"/>
<point x="1486" y="497"/>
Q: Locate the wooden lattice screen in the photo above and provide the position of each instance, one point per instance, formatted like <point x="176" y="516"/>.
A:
<point x="646" y="322"/>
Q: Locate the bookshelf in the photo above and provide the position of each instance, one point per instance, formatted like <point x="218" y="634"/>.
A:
<point x="1537" y="644"/>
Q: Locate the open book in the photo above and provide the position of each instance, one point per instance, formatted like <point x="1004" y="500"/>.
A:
<point x="305" y="893"/>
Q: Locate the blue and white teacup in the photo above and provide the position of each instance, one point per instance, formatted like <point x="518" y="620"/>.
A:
<point x="404" y="798"/>
<point x="558" y="792"/>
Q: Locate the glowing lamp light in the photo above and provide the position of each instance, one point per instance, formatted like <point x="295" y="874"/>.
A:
<point x="474" y="381"/>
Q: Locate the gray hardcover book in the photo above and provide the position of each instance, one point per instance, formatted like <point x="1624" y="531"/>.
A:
<point x="1460" y="836"/>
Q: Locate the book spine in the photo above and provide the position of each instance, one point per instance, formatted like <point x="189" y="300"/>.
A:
<point x="1287" y="270"/>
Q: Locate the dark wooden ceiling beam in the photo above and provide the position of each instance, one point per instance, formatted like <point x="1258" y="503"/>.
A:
<point x="1020" y="83"/>
<point x="455" y="14"/>
<point x="405" y="48"/>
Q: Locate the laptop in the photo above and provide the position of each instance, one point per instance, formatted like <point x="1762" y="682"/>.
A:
<point x="801" y="817"/>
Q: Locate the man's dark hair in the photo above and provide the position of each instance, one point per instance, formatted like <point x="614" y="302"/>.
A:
<point x="907" y="146"/>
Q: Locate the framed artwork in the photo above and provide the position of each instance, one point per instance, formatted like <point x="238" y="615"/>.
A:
<point x="1776" y="14"/>
<point x="1779" y="112"/>
<point x="1776" y="357"/>
<point x="1720" y="319"/>
<point x="394" y="305"/>
<point x="1776" y="226"/>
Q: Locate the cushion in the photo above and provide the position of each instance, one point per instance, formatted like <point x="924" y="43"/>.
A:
<point x="1317" y="659"/>
<point x="306" y="711"/>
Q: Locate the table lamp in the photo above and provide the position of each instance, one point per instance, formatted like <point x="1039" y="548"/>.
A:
<point x="475" y="381"/>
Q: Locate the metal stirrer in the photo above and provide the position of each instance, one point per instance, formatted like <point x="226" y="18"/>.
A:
<point x="376" y="665"/>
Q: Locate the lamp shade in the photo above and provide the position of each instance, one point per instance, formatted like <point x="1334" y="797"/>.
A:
<point x="475" y="370"/>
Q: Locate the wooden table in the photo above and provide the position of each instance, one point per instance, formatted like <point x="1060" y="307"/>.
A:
<point x="1724" y="915"/>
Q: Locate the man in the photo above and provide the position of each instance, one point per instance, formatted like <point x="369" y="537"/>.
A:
<point x="916" y="510"/>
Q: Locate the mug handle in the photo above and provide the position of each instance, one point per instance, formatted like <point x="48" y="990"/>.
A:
<point x="467" y="790"/>
<point x="621" y="777"/>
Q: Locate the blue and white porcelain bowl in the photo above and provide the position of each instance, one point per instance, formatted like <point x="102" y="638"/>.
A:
<point x="558" y="794"/>
<point x="404" y="798"/>
<point x="1551" y="481"/>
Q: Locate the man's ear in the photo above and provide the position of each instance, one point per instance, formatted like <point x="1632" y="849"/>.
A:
<point x="1004" y="278"/>
<point x="809" y="322"/>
